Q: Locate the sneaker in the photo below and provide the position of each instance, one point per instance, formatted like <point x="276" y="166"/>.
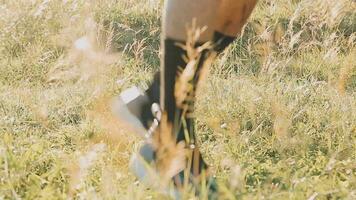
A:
<point x="137" y="108"/>
<point x="142" y="165"/>
<point x="134" y="107"/>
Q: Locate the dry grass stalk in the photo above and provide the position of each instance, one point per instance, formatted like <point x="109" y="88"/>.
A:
<point x="79" y="170"/>
<point x="282" y="121"/>
<point x="346" y="72"/>
<point x="171" y="157"/>
<point x="184" y="87"/>
<point x="87" y="58"/>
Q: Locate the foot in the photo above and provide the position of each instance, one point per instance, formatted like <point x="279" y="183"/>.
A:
<point x="142" y="164"/>
<point x="134" y="107"/>
<point x="138" y="109"/>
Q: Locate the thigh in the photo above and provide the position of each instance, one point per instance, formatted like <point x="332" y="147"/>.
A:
<point x="179" y="14"/>
<point x="232" y="15"/>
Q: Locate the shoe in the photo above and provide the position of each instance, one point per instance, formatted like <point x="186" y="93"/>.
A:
<point x="134" y="107"/>
<point x="138" y="109"/>
<point x="142" y="165"/>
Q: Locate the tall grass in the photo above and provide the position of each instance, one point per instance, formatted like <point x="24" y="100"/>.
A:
<point x="276" y="118"/>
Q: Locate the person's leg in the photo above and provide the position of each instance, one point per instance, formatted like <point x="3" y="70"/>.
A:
<point x="223" y="20"/>
<point x="178" y="15"/>
<point x="177" y="18"/>
<point x="232" y="16"/>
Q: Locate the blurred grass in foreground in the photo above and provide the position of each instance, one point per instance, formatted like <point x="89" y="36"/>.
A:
<point x="277" y="118"/>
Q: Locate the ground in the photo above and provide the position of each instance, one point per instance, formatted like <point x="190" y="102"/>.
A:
<point x="276" y="120"/>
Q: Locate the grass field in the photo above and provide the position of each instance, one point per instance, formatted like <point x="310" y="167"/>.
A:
<point x="276" y="120"/>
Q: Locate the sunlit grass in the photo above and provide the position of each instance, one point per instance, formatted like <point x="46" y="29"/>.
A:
<point x="276" y="118"/>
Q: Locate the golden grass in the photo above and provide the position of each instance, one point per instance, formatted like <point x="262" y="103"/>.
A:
<point x="276" y="116"/>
